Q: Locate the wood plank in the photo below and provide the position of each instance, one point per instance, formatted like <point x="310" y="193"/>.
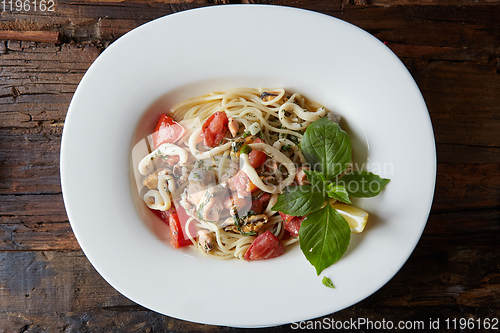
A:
<point x="39" y="236"/>
<point x="30" y="164"/>
<point x="34" y="36"/>
<point x="452" y="277"/>
<point x="44" y="282"/>
<point x="460" y="228"/>
<point x="466" y="186"/>
<point x="458" y="153"/>
<point x="36" y="209"/>
<point x="470" y="117"/>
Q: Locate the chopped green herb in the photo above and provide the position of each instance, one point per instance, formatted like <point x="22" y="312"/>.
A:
<point x="250" y="233"/>
<point x="327" y="282"/>
<point x="246" y="149"/>
<point x="286" y="147"/>
<point x="293" y="138"/>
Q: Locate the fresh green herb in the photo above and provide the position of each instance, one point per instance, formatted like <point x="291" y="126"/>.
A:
<point x="338" y="192"/>
<point x="326" y="147"/>
<point x="236" y="219"/>
<point x="286" y="147"/>
<point x="363" y="184"/>
<point x="324" y="234"/>
<point x="239" y="221"/>
<point x="299" y="200"/>
<point x="327" y="282"/>
<point x="317" y="179"/>
<point x="245" y="134"/>
<point x="246" y="149"/>
<point x="250" y="233"/>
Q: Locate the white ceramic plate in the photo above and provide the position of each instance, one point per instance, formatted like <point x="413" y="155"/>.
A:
<point x="198" y="51"/>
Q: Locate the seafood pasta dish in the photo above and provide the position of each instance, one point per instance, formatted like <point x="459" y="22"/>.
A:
<point x="240" y="173"/>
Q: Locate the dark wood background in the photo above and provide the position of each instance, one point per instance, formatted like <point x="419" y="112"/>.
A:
<point x="452" y="49"/>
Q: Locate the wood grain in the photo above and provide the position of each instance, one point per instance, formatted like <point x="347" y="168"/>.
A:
<point x="451" y="48"/>
<point x="33" y="36"/>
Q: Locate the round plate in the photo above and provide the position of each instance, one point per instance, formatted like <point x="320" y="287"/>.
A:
<point x="198" y="51"/>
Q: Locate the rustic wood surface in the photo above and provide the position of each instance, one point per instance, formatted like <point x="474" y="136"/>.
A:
<point x="452" y="49"/>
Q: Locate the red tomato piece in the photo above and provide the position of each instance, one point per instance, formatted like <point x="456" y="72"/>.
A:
<point x="266" y="246"/>
<point x="176" y="220"/>
<point x="260" y="202"/>
<point x="257" y="158"/>
<point x="292" y="223"/>
<point x="215" y="128"/>
<point x="167" y="130"/>
<point x="286" y="217"/>
<point x="161" y="214"/>
<point x="177" y="236"/>
<point x="183" y="217"/>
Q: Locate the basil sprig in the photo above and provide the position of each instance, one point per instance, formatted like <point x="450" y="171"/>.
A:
<point x="324" y="234"/>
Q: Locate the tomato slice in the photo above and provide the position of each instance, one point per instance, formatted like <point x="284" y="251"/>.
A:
<point x="177" y="237"/>
<point x="257" y="158"/>
<point x="260" y="202"/>
<point x="266" y="246"/>
<point x="176" y="220"/>
<point x="292" y="223"/>
<point x="215" y="128"/>
<point x="167" y="130"/>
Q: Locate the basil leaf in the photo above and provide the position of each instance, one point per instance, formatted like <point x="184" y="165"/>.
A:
<point x="299" y="200"/>
<point x="327" y="282"/>
<point x="324" y="236"/>
<point x="363" y="184"/>
<point x="326" y="147"/>
<point x="317" y="179"/>
<point x="338" y="192"/>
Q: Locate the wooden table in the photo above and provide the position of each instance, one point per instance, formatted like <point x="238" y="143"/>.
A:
<point x="452" y="49"/>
